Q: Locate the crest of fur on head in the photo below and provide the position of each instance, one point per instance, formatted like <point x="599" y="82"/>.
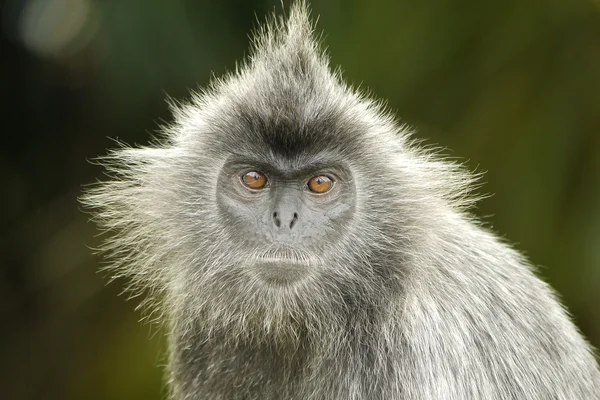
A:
<point x="157" y="207"/>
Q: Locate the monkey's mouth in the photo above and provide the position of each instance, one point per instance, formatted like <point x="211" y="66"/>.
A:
<point x="281" y="271"/>
<point x="283" y="265"/>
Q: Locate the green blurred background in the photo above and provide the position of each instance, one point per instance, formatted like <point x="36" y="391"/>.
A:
<point x="511" y="87"/>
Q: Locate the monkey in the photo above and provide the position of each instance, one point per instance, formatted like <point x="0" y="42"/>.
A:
<point x="298" y="243"/>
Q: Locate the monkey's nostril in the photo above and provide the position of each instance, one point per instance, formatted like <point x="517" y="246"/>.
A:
<point x="294" y="220"/>
<point x="276" y="219"/>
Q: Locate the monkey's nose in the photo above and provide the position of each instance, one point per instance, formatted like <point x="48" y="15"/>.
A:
<point x="290" y="221"/>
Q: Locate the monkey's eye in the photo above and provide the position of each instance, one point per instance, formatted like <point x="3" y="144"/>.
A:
<point x="254" y="180"/>
<point x="320" y="184"/>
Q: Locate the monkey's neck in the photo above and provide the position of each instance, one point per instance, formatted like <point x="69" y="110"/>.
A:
<point x="219" y="368"/>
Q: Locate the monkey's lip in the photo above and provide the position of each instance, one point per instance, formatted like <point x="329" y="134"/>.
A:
<point x="285" y="261"/>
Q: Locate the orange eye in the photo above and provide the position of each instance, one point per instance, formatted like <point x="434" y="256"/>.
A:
<point x="254" y="180"/>
<point x="320" y="184"/>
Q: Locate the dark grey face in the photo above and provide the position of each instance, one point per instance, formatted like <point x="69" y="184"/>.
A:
<point x="286" y="214"/>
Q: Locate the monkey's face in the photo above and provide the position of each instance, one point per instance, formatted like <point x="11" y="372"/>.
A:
<point x="286" y="215"/>
<point x="282" y="213"/>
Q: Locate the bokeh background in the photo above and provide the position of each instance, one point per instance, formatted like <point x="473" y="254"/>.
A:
<point x="511" y="87"/>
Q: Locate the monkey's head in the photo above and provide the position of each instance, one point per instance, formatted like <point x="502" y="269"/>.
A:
<point x="273" y="201"/>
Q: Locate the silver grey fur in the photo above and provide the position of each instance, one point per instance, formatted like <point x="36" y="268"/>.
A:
<point x="419" y="302"/>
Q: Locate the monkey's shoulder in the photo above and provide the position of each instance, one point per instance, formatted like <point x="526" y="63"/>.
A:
<point x="478" y="319"/>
